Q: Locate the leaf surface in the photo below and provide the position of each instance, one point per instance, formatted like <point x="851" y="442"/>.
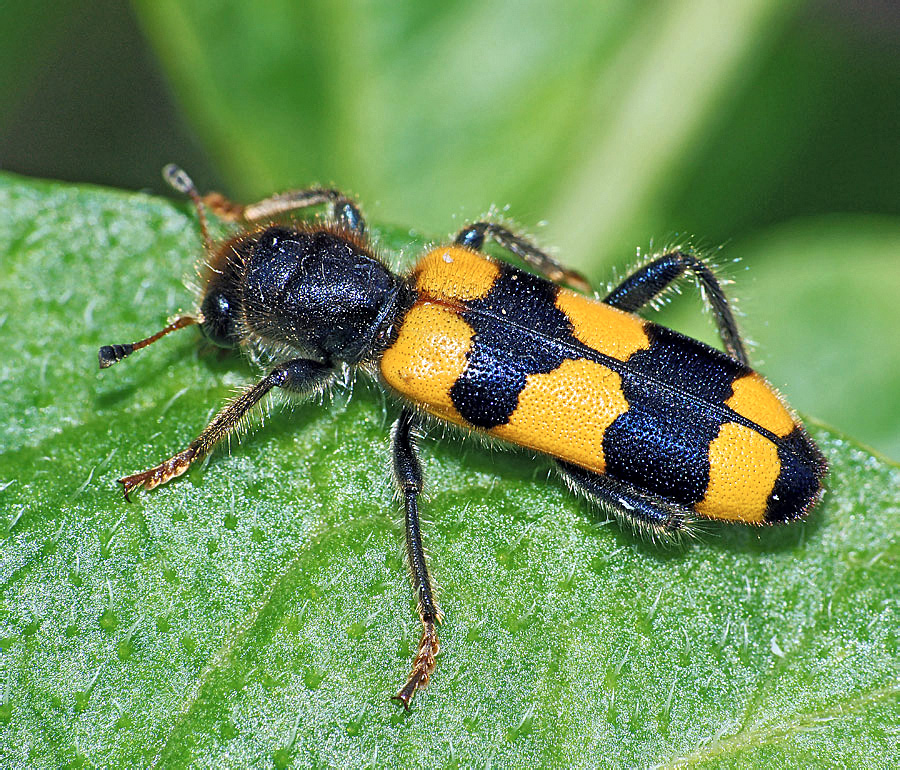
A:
<point x="257" y="611"/>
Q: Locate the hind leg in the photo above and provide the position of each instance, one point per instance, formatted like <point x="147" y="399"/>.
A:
<point x="648" y="282"/>
<point x="644" y="511"/>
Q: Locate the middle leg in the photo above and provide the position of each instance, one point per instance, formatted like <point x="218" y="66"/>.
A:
<point x="473" y="236"/>
<point x="408" y="476"/>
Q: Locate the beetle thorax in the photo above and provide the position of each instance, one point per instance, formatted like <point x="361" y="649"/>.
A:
<point x="316" y="291"/>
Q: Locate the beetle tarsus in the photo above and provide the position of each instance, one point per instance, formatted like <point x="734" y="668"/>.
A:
<point x="423" y="664"/>
<point x="160" y="474"/>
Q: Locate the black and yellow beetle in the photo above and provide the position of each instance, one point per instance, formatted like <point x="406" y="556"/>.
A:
<point x="651" y="425"/>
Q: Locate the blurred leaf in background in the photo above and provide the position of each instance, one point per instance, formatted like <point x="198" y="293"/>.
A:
<point x="623" y="125"/>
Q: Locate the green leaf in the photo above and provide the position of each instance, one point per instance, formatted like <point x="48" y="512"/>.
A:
<point x="28" y="31"/>
<point x="257" y="610"/>
<point x="581" y="112"/>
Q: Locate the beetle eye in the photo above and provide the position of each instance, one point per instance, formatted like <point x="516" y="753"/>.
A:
<point x="218" y="319"/>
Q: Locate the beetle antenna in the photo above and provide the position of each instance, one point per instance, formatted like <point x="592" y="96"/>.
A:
<point x="111" y="354"/>
<point x="178" y="179"/>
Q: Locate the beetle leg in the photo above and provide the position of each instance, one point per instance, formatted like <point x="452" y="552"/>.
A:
<point x="299" y="375"/>
<point x="473" y="236"/>
<point x="408" y="476"/>
<point x="645" y="511"/>
<point x="343" y="209"/>
<point x="649" y="281"/>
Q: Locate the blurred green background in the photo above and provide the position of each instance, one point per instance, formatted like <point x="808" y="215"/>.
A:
<point x="765" y="128"/>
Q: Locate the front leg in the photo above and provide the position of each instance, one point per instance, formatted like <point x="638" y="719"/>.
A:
<point x="408" y="476"/>
<point x="343" y="209"/>
<point x="299" y="376"/>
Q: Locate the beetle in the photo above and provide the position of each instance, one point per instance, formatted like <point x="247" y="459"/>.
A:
<point x="654" y="427"/>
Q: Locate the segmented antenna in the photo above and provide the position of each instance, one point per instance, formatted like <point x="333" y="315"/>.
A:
<point x="111" y="354"/>
<point x="178" y="179"/>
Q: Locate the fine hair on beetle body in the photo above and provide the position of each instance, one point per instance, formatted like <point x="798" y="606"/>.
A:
<point x="654" y="428"/>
